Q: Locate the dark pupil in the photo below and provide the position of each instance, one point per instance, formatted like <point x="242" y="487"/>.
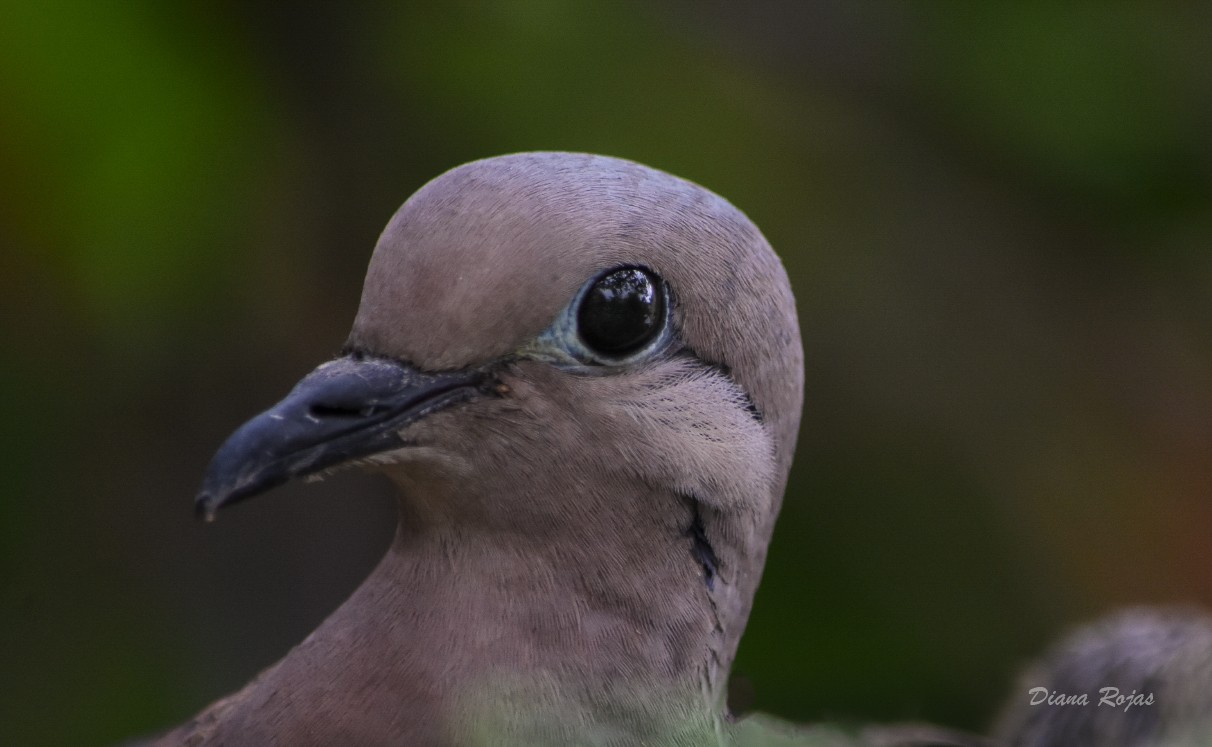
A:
<point x="621" y="312"/>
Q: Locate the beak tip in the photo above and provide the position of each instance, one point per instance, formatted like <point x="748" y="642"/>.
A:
<point x="206" y="506"/>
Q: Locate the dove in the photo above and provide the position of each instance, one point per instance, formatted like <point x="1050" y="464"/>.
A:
<point x="584" y="377"/>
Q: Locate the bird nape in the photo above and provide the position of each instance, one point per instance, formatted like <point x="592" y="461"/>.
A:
<point x="585" y="378"/>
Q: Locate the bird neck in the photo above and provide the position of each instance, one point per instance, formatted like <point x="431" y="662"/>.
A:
<point x="462" y="637"/>
<point x="576" y="630"/>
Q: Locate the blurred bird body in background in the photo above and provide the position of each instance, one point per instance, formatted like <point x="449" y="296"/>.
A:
<point x="1140" y="678"/>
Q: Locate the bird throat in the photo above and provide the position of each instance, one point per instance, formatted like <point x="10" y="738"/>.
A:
<point x="537" y="645"/>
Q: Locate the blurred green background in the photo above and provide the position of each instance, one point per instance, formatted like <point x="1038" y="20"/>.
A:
<point x="996" y="217"/>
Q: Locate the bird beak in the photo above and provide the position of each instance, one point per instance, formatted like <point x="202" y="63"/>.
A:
<point x="347" y="408"/>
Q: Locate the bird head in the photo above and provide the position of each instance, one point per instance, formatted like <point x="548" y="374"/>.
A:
<point x="563" y="348"/>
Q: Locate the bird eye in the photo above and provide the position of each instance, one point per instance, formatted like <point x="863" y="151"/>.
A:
<point x="621" y="312"/>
